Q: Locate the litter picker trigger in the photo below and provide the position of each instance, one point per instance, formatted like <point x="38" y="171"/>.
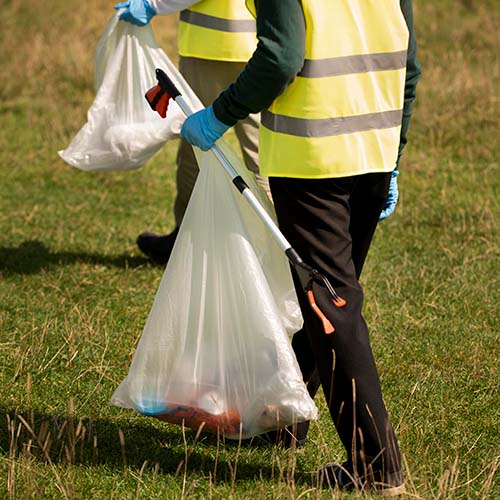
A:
<point x="327" y="326"/>
<point x="307" y="276"/>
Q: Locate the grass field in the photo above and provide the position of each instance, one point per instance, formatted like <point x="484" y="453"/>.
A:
<point x="75" y="291"/>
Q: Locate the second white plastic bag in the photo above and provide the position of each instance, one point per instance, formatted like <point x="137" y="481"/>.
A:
<point x="216" y="351"/>
<point x="122" y="132"/>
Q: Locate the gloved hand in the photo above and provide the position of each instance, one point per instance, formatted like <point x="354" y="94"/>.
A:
<point x="138" y="12"/>
<point x="392" y="197"/>
<point x="203" y="128"/>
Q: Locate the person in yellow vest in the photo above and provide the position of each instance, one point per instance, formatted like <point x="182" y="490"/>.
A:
<point x="215" y="40"/>
<point x="335" y="82"/>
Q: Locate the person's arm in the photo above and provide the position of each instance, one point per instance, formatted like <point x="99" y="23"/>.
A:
<point x="413" y="72"/>
<point x="165" y="7"/>
<point x="412" y="76"/>
<point x="278" y="58"/>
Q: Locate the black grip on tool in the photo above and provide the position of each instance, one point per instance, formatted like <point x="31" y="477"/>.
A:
<point x="240" y="183"/>
<point x="167" y="84"/>
<point x="296" y="261"/>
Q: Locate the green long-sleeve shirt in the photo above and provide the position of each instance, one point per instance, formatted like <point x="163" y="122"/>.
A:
<point x="280" y="56"/>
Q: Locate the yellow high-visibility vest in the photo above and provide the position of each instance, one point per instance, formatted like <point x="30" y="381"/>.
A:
<point x="220" y="30"/>
<point x="342" y="114"/>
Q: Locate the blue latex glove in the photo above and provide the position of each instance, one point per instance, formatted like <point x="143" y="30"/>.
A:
<point x="392" y="197"/>
<point x="203" y="128"/>
<point x="138" y="12"/>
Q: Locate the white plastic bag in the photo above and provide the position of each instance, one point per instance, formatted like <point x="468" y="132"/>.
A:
<point x="122" y="132"/>
<point x="215" y="350"/>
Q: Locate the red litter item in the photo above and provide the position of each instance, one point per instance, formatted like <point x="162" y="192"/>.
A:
<point x="193" y="417"/>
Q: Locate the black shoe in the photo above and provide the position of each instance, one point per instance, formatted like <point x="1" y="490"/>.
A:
<point x="342" y="476"/>
<point x="157" y="248"/>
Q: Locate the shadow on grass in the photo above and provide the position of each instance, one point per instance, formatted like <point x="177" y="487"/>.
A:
<point x="31" y="257"/>
<point x="65" y="440"/>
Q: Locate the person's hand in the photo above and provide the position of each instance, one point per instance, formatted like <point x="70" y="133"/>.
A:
<point x="138" y="12"/>
<point x="203" y="128"/>
<point x="392" y="197"/>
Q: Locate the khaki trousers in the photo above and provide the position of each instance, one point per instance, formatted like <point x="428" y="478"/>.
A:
<point x="208" y="79"/>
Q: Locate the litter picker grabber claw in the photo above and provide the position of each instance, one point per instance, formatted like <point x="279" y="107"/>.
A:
<point x="158" y="98"/>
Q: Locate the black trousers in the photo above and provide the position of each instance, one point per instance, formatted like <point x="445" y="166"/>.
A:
<point x="330" y="223"/>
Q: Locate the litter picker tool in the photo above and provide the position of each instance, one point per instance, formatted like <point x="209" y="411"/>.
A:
<point x="158" y="98"/>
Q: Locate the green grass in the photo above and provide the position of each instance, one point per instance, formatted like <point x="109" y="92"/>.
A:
<point x="75" y="292"/>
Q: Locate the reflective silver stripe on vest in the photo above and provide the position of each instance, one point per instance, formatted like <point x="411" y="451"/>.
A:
<point x="326" y="127"/>
<point x="218" y="23"/>
<point x="336" y="66"/>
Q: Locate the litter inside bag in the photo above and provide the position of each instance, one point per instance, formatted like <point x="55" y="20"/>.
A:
<point x="216" y="348"/>
<point x="122" y="132"/>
